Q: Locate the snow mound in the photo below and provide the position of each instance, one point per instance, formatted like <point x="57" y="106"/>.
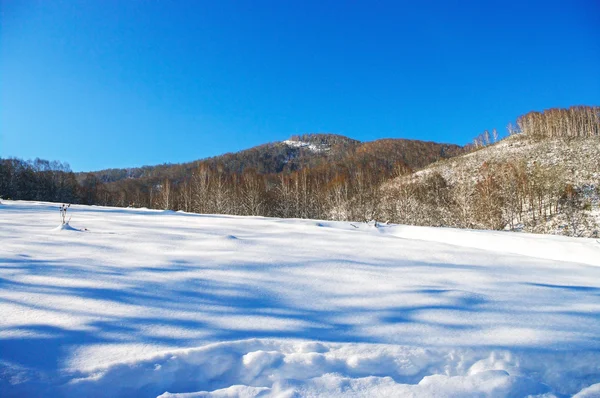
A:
<point x="274" y="367"/>
<point x="66" y="227"/>
<point x="556" y="248"/>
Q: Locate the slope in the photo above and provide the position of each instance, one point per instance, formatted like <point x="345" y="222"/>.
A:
<point x="147" y="302"/>
<point x="542" y="185"/>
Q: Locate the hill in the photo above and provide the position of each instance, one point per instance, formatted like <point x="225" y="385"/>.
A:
<point x="296" y="153"/>
<point x="303" y="177"/>
<point x="524" y="182"/>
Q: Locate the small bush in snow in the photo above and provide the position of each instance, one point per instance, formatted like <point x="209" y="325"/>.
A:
<point x="63" y="213"/>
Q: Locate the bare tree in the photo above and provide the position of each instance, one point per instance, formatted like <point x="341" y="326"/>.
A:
<point x="165" y="199"/>
<point x="200" y="189"/>
<point x="220" y="194"/>
<point x="63" y="214"/>
<point x="185" y="196"/>
<point x="574" y="210"/>
<point x="252" y="193"/>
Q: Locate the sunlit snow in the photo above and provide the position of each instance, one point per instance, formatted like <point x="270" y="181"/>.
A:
<point x="306" y="145"/>
<point x="133" y="302"/>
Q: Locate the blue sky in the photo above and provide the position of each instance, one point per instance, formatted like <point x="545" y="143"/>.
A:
<point x="103" y="84"/>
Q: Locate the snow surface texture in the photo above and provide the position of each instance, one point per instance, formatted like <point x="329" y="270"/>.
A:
<point x="152" y="303"/>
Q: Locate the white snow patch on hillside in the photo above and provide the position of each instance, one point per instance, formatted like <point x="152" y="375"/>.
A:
<point x="581" y="157"/>
<point x="306" y="145"/>
<point x="150" y="303"/>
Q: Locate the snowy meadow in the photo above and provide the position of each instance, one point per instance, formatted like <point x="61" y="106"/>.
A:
<point x="135" y="302"/>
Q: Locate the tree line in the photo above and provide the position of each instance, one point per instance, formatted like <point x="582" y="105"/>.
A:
<point x="38" y="180"/>
<point x="576" y="121"/>
<point x="323" y="191"/>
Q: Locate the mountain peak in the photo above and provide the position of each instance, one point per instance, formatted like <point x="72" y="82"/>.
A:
<point x="324" y="139"/>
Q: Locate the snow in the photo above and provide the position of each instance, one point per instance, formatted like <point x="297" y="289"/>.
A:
<point x="548" y="247"/>
<point x="306" y="145"/>
<point x="133" y="302"/>
<point x="574" y="161"/>
<point x="65" y="227"/>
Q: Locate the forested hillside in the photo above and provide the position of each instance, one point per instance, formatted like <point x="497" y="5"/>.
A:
<point x="544" y="177"/>
<point x="304" y="176"/>
<point x="304" y="151"/>
<point x="290" y="155"/>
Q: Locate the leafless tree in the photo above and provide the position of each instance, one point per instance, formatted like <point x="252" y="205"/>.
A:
<point x="165" y="198"/>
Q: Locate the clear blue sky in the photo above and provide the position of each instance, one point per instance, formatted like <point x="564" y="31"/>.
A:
<point x="106" y="83"/>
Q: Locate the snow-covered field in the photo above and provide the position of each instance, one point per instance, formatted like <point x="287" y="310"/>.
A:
<point x="149" y="303"/>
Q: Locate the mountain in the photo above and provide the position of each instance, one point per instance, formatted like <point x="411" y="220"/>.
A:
<point x="296" y="153"/>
